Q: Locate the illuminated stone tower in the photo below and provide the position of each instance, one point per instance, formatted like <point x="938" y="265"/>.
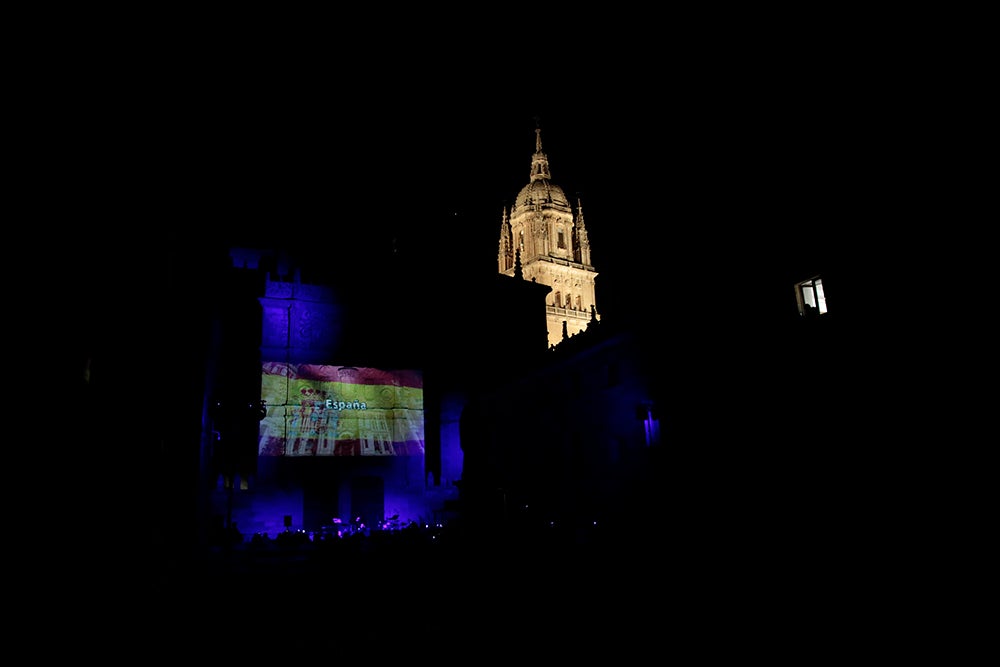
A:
<point x="543" y="241"/>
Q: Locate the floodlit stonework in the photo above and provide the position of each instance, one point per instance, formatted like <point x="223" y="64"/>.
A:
<point x="544" y="240"/>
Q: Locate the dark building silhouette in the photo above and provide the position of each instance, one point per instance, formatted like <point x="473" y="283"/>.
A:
<point x="712" y="432"/>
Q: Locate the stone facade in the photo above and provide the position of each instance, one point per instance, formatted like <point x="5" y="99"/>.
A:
<point x="544" y="240"/>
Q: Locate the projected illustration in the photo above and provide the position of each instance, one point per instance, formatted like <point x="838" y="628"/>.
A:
<point x="320" y="410"/>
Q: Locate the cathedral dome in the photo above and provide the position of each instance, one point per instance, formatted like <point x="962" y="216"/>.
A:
<point x="541" y="192"/>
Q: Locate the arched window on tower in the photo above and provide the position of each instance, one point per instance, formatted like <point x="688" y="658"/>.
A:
<point x="579" y="303"/>
<point x="561" y="239"/>
<point x="557" y="299"/>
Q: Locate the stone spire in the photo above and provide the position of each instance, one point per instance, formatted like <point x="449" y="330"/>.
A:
<point x="539" y="161"/>
<point x="506" y="254"/>
<point x="581" y="244"/>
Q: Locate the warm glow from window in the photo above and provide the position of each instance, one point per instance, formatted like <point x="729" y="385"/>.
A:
<point x="812" y="300"/>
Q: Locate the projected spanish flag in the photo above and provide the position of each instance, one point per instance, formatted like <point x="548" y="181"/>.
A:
<point x="318" y="410"/>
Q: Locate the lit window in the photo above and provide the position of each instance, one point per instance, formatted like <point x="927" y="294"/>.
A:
<point x="650" y="417"/>
<point x="811" y="298"/>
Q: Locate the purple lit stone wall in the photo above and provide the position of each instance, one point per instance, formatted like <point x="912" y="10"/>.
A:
<point x="308" y="324"/>
<point x="300" y="322"/>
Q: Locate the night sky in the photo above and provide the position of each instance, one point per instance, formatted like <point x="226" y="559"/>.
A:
<point x="686" y="180"/>
<point x="706" y="151"/>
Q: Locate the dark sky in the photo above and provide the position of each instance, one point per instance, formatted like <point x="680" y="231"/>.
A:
<point x="689" y="154"/>
<point x="680" y="180"/>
